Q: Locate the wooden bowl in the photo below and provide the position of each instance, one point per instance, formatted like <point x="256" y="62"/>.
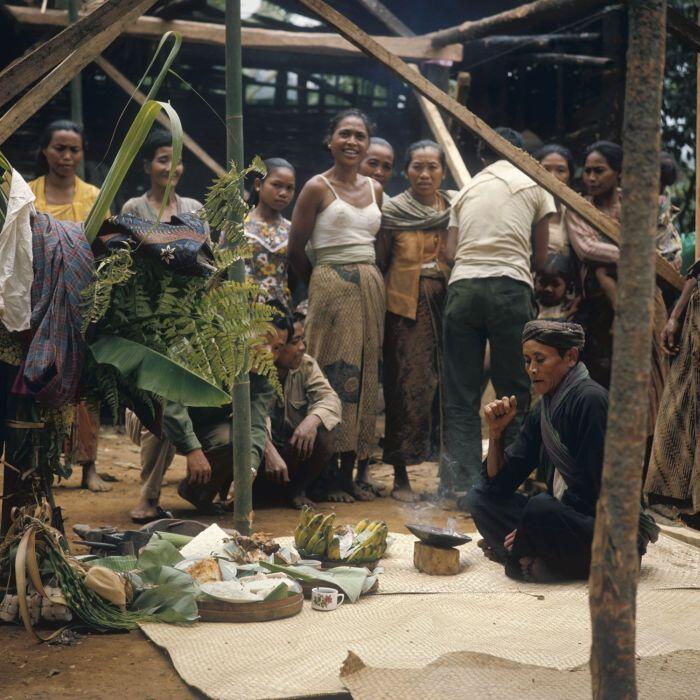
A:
<point x="219" y="611"/>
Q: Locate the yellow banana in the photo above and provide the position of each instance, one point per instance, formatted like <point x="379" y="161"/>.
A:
<point x="362" y="525"/>
<point x="333" y="549"/>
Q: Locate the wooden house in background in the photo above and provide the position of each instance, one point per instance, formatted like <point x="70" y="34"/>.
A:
<point x="559" y="79"/>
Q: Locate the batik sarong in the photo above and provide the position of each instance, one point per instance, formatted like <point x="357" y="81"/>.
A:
<point x="674" y="469"/>
<point x="344" y="333"/>
<point x="413" y="378"/>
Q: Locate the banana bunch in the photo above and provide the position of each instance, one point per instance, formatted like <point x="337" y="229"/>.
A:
<point x="369" y="543"/>
<point x="314" y="533"/>
<point x="314" y="537"/>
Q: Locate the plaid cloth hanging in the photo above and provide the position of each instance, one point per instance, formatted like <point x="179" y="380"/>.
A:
<point x="63" y="267"/>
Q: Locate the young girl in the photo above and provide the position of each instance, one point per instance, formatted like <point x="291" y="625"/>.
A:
<point x="267" y="231"/>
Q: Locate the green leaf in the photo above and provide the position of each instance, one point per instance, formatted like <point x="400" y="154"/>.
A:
<point x="156" y="373"/>
<point x="278" y="593"/>
<point x="156" y="553"/>
<point x="173" y="600"/>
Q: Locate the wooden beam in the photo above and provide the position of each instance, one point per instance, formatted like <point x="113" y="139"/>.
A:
<point x="436" y="123"/>
<point x="61" y="75"/>
<point x="524" y="16"/>
<point x="37" y="62"/>
<point x="560" y="59"/>
<point x="385" y="15"/>
<point x="417" y="48"/>
<point x="111" y="71"/>
<point x="520" y="159"/>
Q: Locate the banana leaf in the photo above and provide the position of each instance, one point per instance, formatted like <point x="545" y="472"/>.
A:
<point x="156" y="373"/>
<point x="173" y="600"/>
<point x="158" y="552"/>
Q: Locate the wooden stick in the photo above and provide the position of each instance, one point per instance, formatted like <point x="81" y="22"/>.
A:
<point x="520" y="159"/>
<point x="557" y="59"/>
<point x="615" y="555"/>
<point x="417" y="48"/>
<point x="524" y="16"/>
<point x="527" y="41"/>
<point x="111" y="71"/>
<point x="30" y="67"/>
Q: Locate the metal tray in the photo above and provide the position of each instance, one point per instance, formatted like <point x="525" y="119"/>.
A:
<point x="437" y="536"/>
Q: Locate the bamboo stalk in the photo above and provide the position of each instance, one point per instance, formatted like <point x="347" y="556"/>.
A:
<point x="242" y="441"/>
<point x="614" y="556"/>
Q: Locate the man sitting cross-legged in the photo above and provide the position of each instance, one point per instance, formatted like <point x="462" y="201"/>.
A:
<point x="548" y="536"/>
<point x="300" y="440"/>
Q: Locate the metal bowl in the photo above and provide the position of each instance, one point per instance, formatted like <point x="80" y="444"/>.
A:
<point x="437" y="536"/>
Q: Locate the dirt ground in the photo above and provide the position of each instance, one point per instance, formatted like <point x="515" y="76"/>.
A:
<point x="97" y="666"/>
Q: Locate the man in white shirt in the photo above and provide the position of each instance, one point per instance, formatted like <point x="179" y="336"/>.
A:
<point x="497" y="220"/>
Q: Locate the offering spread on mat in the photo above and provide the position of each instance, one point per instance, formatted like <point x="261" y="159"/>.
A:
<point x="173" y="575"/>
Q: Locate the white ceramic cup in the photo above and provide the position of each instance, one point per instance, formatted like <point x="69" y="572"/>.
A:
<point x="326" y="599"/>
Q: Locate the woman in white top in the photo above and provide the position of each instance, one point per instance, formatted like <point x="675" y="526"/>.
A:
<point x="559" y="162"/>
<point x="338" y="213"/>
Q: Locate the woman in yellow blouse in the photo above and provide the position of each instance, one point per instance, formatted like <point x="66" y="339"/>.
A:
<point x="61" y="193"/>
<point x="58" y="190"/>
<point x="411" y="249"/>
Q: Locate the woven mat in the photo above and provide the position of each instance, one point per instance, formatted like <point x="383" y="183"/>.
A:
<point x="471" y="675"/>
<point x="668" y="563"/>
<point x="547" y="626"/>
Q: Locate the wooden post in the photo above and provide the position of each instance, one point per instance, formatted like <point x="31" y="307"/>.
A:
<point x="615" y="557"/>
<point x="242" y="442"/>
<point x="61" y="75"/>
<point x="520" y="159"/>
<point x="111" y="71"/>
<point x="697" y="153"/>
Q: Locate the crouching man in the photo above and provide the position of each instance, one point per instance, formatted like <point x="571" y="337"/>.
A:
<point x="301" y="424"/>
<point x="548" y="536"/>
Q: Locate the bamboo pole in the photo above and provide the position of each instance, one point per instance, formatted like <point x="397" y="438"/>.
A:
<point x="111" y="71"/>
<point x="523" y="161"/>
<point x="76" y="87"/>
<point x="242" y="442"/>
<point x="614" y="556"/>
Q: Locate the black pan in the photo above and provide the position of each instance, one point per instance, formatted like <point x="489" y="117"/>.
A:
<point x="437" y="536"/>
